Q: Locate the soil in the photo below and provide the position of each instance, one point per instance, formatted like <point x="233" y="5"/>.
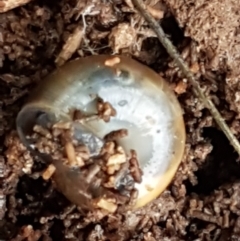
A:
<point x="202" y="202"/>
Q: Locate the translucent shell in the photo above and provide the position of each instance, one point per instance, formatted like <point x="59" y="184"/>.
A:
<point x="144" y="103"/>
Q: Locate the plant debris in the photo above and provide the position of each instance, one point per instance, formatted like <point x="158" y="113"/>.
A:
<point x="6" y="5"/>
<point x="202" y="202"/>
<point x="108" y="176"/>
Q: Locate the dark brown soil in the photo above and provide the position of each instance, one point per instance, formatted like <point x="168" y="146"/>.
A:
<point x="202" y="202"/>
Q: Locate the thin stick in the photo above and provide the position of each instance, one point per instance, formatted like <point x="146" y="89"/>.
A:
<point x="187" y="72"/>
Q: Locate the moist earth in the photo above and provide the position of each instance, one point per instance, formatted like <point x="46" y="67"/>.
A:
<point x="202" y="202"/>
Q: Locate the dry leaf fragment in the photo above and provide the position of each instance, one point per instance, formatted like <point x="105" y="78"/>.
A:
<point x="156" y="13"/>
<point x="6" y="5"/>
<point x="71" y="45"/>
<point x="122" y="36"/>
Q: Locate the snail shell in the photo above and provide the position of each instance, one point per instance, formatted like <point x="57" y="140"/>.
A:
<point x="144" y="103"/>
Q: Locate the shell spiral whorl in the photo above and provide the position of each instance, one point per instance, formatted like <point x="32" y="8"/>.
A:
<point x="144" y="103"/>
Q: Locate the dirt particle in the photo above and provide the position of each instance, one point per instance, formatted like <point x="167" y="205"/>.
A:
<point x="113" y="61"/>
<point x="49" y="172"/>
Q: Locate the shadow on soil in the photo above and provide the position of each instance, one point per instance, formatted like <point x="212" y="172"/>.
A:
<point x="220" y="167"/>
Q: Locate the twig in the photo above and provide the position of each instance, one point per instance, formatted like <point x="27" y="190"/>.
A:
<point x="187" y="72"/>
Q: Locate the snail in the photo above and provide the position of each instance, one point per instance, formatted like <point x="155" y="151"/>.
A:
<point x="145" y="105"/>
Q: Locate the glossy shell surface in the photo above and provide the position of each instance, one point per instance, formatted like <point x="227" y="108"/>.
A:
<point x="144" y="102"/>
